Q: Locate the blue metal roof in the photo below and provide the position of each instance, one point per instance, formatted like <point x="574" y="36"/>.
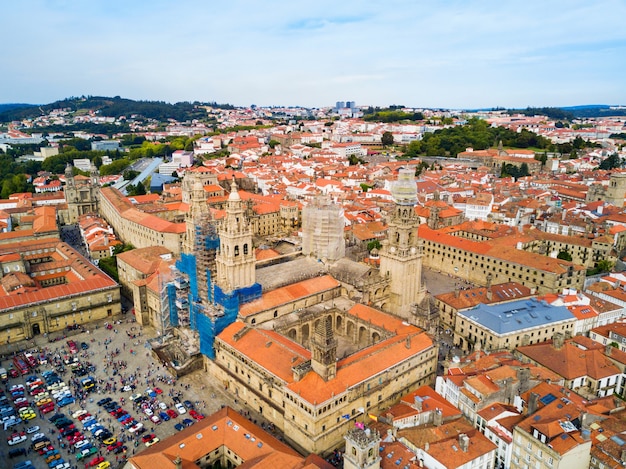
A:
<point x="507" y="318"/>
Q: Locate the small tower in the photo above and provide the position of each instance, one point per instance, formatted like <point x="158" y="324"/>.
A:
<point x="81" y="196"/>
<point x="235" y="259"/>
<point x="362" y="449"/>
<point x="401" y="252"/>
<point x="617" y="190"/>
<point x="324" y="350"/>
<point x="69" y="176"/>
<point x="94" y="174"/>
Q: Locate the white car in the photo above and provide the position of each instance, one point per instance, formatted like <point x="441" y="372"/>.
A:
<point x="17" y="440"/>
<point x="78" y="413"/>
<point x="181" y="408"/>
<point x="36" y="436"/>
<point x="138" y="426"/>
<point x="61" y="395"/>
<point x="148" y="412"/>
<point x="162" y="405"/>
<point x="127" y="388"/>
<point x="32" y="429"/>
<point x="81" y="443"/>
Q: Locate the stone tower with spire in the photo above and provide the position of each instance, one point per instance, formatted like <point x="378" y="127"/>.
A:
<point x="401" y="253"/>
<point x="235" y="259"/>
<point x="196" y="216"/>
<point x="324" y="350"/>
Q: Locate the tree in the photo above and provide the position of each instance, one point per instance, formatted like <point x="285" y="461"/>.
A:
<point x="605" y="265"/>
<point x="611" y="162"/>
<point x="373" y="245"/>
<point x="387" y="139"/>
<point x="137" y="189"/>
<point x="272" y="143"/>
<point x="564" y="255"/>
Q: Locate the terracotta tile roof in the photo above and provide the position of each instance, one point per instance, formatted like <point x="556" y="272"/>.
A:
<point x="569" y="361"/>
<point x="82" y="277"/>
<point x="144" y="260"/>
<point x="129" y="212"/>
<point x="288" y="293"/>
<point x="224" y="429"/>
<point x="278" y="354"/>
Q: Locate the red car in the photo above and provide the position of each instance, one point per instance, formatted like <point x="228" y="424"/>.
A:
<point x="196" y="415"/>
<point x="148" y="437"/>
<point x="45" y="449"/>
<point x="84" y="416"/>
<point x="13" y="373"/>
<point x="72" y="345"/>
<point x="158" y="390"/>
<point x="47" y="408"/>
<point x="76" y="438"/>
<point x="95" y="461"/>
<point x="115" y="445"/>
<point x="172" y="413"/>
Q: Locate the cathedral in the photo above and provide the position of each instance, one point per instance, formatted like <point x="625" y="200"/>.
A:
<point x="315" y="342"/>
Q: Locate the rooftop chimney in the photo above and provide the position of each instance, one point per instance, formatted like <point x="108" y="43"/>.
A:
<point x="178" y="463"/>
<point x="532" y="403"/>
<point x="557" y="341"/>
<point x="608" y="349"/>
<point x="417" y="403"/>
<point x="464" y="442"/>
<point x="437" y="418"/>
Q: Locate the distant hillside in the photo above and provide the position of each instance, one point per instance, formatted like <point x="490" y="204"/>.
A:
<point x="10" y="106"/>
<point x="114" y="107"/>
<point x="571" y="112"/>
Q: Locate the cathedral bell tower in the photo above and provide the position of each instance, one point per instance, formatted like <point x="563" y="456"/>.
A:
<point x="324" y="350"/>
<point x="235" y="259"/>
<point x="401" y="252"/>
<point x="198" y="211"/>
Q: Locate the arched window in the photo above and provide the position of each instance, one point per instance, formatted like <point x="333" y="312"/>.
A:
<point x="236" y="250"/>
<point x="245" y="249"/>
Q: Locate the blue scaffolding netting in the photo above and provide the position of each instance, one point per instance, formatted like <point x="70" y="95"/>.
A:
<point x="171" y="303"/>
<point x="207" y="326"/>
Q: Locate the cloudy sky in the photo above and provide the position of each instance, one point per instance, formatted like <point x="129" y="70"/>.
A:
<point x="453" y="54"/>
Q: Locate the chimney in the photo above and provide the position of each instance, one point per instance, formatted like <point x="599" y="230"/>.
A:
<point x="608" y="349"/>
<point x="426" y="447"/>
<point x="408" y="342"/>
<point x="437" y="418"/>
<point x="417" y="403"/>
<point x="464" y="442"/>
<point x="557" y="341"/>
<point x="531" y="408"/>
<point x="523" y="376"/>
<point x="623" y="456"/>
<point x="178" y="463"/>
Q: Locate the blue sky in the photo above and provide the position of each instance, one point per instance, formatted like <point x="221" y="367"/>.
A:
<point x="454" y="54"/>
